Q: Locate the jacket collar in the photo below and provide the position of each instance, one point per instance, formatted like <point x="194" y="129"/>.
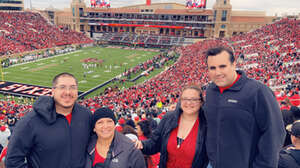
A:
<point x="117" y="149"/>
<point x="45" y="108"/>
<point x="92" y="144"/>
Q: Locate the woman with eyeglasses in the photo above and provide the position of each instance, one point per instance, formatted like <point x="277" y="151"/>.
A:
<point x="180" y="135"/>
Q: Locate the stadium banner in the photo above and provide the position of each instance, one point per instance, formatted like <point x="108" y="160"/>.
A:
<point x="93" y="3"/>
<point x="25" y="90"/>
<point x="195" y="4"/>
<point x="100" y="3"/>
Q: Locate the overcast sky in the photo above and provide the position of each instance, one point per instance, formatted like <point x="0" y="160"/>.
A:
<point x="270" y="6"/>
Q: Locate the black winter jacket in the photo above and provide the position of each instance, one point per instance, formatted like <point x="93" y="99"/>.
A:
<point x="245" y="125"/>
<point x="46" y="139"/>
<point x="159" y="140"/>
<point x="123" y="154"/>
<point x="289" y="158"/>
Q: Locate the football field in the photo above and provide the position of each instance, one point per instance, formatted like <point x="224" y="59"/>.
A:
<point x="91" y="66"/>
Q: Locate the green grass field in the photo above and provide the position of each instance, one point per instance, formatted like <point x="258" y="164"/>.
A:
<point x="41" y="72"/>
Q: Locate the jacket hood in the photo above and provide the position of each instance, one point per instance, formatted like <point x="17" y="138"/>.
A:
<point x="45" y="108"/>
<point x="296" y="155"/>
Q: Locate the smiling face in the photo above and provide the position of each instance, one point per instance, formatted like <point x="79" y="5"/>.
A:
<point x="190" y="101"/>
<point x="65" y="92"/>
<point x="221" y="70"/>
<point x="105" y="128"/>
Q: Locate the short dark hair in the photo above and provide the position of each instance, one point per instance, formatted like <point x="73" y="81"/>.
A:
<point x="127" y="129"/>
<point x="217" y="50"/>
<point x="145" y="127"/>
<point x="54" y="81"/>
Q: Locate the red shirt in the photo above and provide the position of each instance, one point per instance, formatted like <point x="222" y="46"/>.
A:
<point x="69" y="118"/>
<point x="227" y="87"/>
<point x="3" y="154"/>
<point x="153" y="160"/>
<point x="98" y="158"/>
<point x="183" y="156"/>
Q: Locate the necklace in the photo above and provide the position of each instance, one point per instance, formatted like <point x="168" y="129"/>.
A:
<point x="179" y="142"/>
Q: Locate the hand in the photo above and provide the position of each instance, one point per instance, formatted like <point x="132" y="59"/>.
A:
<point x="138" y="144"/>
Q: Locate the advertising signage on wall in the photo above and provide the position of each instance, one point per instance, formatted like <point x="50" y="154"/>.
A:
<point x="25" y="90"/>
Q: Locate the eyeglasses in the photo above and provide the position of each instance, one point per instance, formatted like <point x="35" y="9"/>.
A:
<point x="64" y="87"/>
<point x="192" y="100"/>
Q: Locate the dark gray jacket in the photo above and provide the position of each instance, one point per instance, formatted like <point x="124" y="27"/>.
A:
<point x="46" y="139"/>
<point x="123" y="154"/>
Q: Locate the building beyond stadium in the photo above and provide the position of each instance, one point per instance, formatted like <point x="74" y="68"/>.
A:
<point x="11" y="5"/>
<point x="161" y="19"/>
<point x="171" y="19"/>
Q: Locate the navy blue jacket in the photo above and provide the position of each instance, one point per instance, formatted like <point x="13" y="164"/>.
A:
<point x="244" y="125"/>
<point x="289" y="158"/>
<point x="159" y="140"/>
<point x="46" y="139"/>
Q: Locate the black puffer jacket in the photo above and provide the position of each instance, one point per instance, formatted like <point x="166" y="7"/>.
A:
<point x="245" y="124"/>
<point x="289" y="158"/>
<point x="46" y="139"/>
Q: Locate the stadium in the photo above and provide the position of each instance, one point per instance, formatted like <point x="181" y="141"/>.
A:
<point x="137" y="59"/>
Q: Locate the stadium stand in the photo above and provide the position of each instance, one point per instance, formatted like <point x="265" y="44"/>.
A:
<point x="141" y="39"/>
<point x="270" y="54"/>
<point x="26" y="31"/>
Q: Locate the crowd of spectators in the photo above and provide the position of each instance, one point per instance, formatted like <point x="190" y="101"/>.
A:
<point x="269" y="54"/>
<point x="26" y="31"/>
<point x="272" y="55"/>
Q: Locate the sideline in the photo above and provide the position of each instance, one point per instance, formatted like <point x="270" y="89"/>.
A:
<point x="43" y="59"/>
